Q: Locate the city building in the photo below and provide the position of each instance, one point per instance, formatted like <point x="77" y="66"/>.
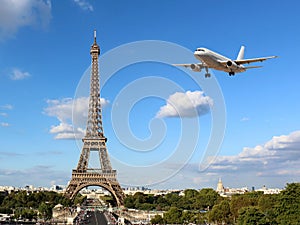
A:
<point x="220" y="188"/>
<point x="227" y="192"/>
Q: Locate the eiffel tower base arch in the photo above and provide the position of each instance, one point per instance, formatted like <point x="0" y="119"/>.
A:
<point x="107" y="181"/>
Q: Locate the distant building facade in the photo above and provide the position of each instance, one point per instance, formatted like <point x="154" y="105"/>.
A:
<point x="227" y="192"/>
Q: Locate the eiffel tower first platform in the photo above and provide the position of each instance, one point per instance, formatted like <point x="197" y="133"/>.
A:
<point x="94" y="140"/>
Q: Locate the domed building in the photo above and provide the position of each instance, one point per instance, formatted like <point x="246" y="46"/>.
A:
<point x="220" y="188"/>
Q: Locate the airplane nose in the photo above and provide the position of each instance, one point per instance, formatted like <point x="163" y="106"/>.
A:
<point x="198" y="52"/>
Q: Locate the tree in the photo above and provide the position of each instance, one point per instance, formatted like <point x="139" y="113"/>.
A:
<point x="140" y="201"/>
<point x="2" y="196"/>
<point x="267" y="205"/>
<point x="25" y="213"/>
<point x="129" y="202"/>
<point x="288" y="207"/>
<point x="239" y="201"/>
<point x="139" y="198"/>
<point x="186" y="203"/>
<point x="5" y="210"/>
<point x="190" y="193"/>
<point x="161" y="203"/>
<point x="172" y="199"/>
<point x="221" y="212"/>
<point x="45" y="211"/>
<point x="206" y="199"/>
<point x="188" y="216"/>
<point x="79" y="199"/>
<point x="157" y="219"/>
<point x="251" y="216"/>
<point x="173" y="216"/>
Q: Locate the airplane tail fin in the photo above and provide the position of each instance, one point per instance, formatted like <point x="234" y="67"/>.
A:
<point x="241" y="53"/>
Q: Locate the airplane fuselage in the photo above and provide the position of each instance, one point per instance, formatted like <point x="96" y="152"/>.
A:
<point x="213" y="60"/>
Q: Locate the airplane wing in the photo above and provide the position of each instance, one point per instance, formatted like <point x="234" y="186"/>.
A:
<point x="247" y="61"/>
<point x="252" y="67"/>
<point x="190" y="65"/>
<point x="194" y="66"/>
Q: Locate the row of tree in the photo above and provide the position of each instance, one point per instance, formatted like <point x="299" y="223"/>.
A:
<point x="192" y="200"/>
<point x="207" y="206"/>
<point x="192" y="207"/>
<point x="28" y="205"/>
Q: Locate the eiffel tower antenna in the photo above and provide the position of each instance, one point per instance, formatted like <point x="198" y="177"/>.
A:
<point x="94" y="127"/>
<point x="94" y="140"/>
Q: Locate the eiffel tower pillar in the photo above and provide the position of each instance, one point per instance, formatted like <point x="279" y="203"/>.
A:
<point x="94" y="140"/>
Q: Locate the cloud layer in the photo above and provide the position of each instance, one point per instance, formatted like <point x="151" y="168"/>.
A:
<point x="6" y="107"/>
<point x="274" y="163"/>
<point x="69" y="112"/>
<point x="277" y="160"/>
<point x="188" y="104"/>
<point x="4" y="124"/>
<point x="4" y="113"/>
<point x="15" y="14"/>
<point x="17" y="74"/>
<point x="40" y="174"/>
<point x="83" y="4"/>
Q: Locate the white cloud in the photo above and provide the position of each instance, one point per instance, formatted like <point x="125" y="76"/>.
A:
<point x="15" y="14"/>
<point x="189" y="104"/>
<point x="245" y="119"/>
<point x="5" y="114"/>
<point x="274" y="163"/>
<point x="83" y="4"/>
<point x="284" y="141"/>
<point x="72" y="115"/>
<point x="62" y="127"/>
<point x="4" y="124"/>
<point x="277" y="159"/>
<point x="19" y="75"/>
<point x="6" y="107"/>
<point x="9" y="154"/>
<point x="67" y="131"/>
<point x="39" y="175"/>
<point x="62" y="109"/>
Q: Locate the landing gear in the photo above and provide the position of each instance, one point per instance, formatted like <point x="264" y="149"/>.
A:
<point x="207" y="73"/>
<point x="231" y="73"/>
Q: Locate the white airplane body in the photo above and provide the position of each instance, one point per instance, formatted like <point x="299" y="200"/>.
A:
<point x="213" y="60"/>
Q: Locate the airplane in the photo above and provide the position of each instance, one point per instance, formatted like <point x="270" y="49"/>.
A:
<point x="213" y="60"/>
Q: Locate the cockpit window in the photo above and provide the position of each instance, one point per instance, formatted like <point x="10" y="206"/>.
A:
<point x="200" y="49"/>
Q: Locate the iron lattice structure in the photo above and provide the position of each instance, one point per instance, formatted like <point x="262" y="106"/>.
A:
<point x="94" y="140"/>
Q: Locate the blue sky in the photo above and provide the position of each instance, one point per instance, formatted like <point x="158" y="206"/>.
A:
<point x="44" y="70"/>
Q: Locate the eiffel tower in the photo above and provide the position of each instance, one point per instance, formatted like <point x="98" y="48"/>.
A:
<point x="94" y="140"/>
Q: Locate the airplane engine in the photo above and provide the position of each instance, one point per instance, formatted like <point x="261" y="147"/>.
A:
<point x="231" y="64"/>
<point x="195" y="68"/>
